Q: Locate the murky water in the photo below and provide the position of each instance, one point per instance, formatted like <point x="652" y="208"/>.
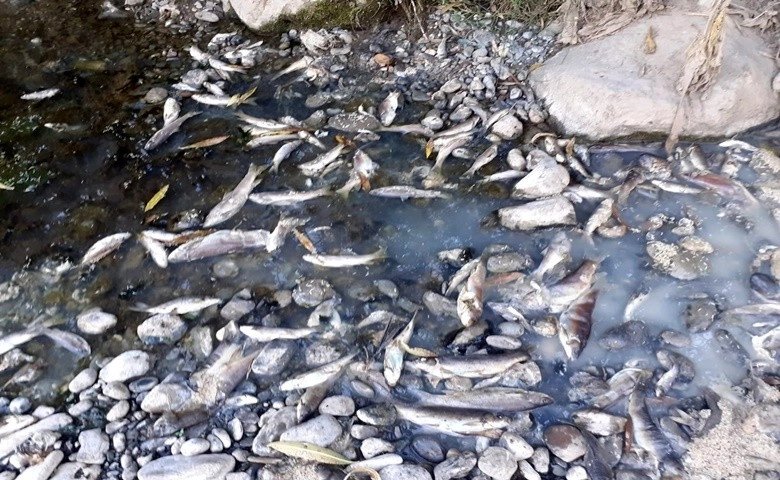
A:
<point x="75" y="187"/>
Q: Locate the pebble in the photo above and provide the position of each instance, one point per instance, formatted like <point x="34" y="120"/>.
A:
<point x="508" y="127"/>
<point x="565" y="442"/>
<point x="179" y="467"/>
<point x="503" y="342"/>
<point x="143" y="384"/>
<point x="80" y="408"/>
<point x="339" y="406"/>
<point x="451" y="86"/>
<point x="93" y="447"/>
<point x="377" y="463"/>
<point x="577" y="472"/>
<point x="516" y="445"/>
<point x="362" y="432"/>
<point x="311" y="293"/>
<point x="461" y="113"/>
<point x="541" y="459"/>
<point x="76" y="471"/>
<point x="154" y="95"/>
<point x="195" y="446"/>
<point x="378" y="415"/>
<point x="528" y="472"/>
<point x="162" y="328"/>
<point x="118" y="411"/>
<point x="273" y="357"/>
<point x="127" y="365"/>
<point x="455" y="466"/>
<point x="236" y="429"/>
<point x="19" y="405"/>
<point x="223" y="436"/>
<point x="116" y="391"/>
<point x="428" y="448"/>
<point x="432" y="121"/>
<point x="95" y="321"/>
<point x="207" y="16"/>
<point x="404" y="472"/>
<point x="498" y="463"/>
<point x="322" y="430"/>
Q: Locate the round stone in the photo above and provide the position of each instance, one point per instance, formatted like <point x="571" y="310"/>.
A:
<point x="156" y="95"/>
<point x="516" y="445"/>
<point x="163" y="328"/>
<point x="565" y="442"/>
<point x="508" y="127"/>
<point x="404" y="472"/>
<point x="127" y="365"/>
<point x="498" y="463"/>
<point x="83" y="380"/>
<point x="339" y="406"/>
<point x="118" y="411"/>
<point x="95" y="321"/>
<point x="195" y="446"/>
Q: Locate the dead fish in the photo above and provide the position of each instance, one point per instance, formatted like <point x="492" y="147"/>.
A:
<point x="596" y="460"/>
<point x="667" y="380"/>
<point x="299" y="64"/>
<point x="363" y="170"/>
<point x="263" y="123"/>
<point x="557" y="253"/>
<point x="283" y="228"/>
<point x="646" y="433"/>
<point x="283" y="199"/>
<point x="213" y="100"/>
<point x="446" y="150"/>
<point x="413" y="129"/>
<point x="501" y="176"/>
<point x="69" y="341"/>
<point x="405" y="192"/>
<point x="156" y="249"/>
<point x="317" y="167"/>
<point x="103" y="247"/>
<point x="318" y="375"/>
<point x="219" y="243"/>
<point x="310" y="399"/>
<point x="599" y="422"/>
<point x="466" y="127"/>
<point x="455" y="421"/>
<point x="268" y="334"/>
<point x="284" y="152"/>
<point x="12" y="360"/>
<point x="572" y="286"/>
<point x="40" y="94"/>
<point x="469" y="366"/>
<point x="460" y="276"/>
<point x="620" y="385"/>
<point x="483" y="159"/>
<point x="394" y="354"/>
<point x="387" y="109"/>
<point x="469" y="302"/>
<point x="345" y="261"/>
<point x="171" y="110"/>
<point x="725" y="187"/>
<point x="181" y="306"/>
<point x="633" y="179"/>
<point x="575" y="323"/>
<point x="600" y="215"/>
<point x="271" y="138"/>
<point x="492" y="399"/>
<point x="166" y="131"/>
<point x="234" y="200"/>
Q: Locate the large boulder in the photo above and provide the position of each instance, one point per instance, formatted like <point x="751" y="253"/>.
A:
<point x="256" y="13"/>
<point x="610" y="88"/>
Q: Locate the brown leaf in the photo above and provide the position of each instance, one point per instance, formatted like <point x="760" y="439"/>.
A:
<point x="648" y="45"/>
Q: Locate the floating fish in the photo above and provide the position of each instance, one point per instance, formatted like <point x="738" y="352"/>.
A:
<point x="345" y="261"/>
<point x="41" y="94"/>
<point x="167" y="130"/>
<point x="103" y="247"/>
<point x="319" y="165"/>
<point x="469" y="303"/>
<point x="483" y="159"/>
<point x="394" y="354"/>
<point x="575" y="323"/>
<point x="181" y="306"/>
<point x="219" y="243"/>
<point x="284" y="152"/>
<point x="318" y="375"/>
<point x="234" y="200"/>
<point x="405" y="192"/>
<point x="291" y="197"/>
<point x="387" y="109"/>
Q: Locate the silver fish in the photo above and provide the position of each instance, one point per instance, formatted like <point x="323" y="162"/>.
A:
<point x="446" y="150"/>
<point x="621" y="384"/>
<point x="283" y="228"/>
<point x="167" y="130"/>
<point x="575" y="323"/>
<point x="234" y="200"/>
<point x="455" y="421"/>
<point x="284" y="152"/>
<point x="405" y="192"/>
<point x="41" y="94"/>
<point x="268" y="334"/>
<point x="270" y="138"/>
<point x="283" y="199"/>
<point x="180" y="306"/>
<point x="464" y="127"/>
<point x="317" y="376"/>
<point x="263" y="123"/>
<point x="299" y="64"/>
<point x="345" y="261"/>
<point x="460" y="276"/>
<point x="394" y="354"/>
<point x="166" y="238"/>
<point x="469" y="303"/>
<point x="501" y="176"/>
<point x="103" y="247"/>
<point x="646" y="433"/>
<point x="69" y="341"/>
<point x="387" y="109"/>
<point x="572" y="286"/>
<point x="316" y="167"/>
<point x="171" y="110"/>
<point x="156" y="250"/>
<point x="599" y="216"/>
<point x="414" y="129"/>
<point x="219" y="243"/>
<point x="483" y="159"/>
<point x="210" y="99"/>
<point x="363" y="170"/>
<point x="469" y="366"/>
<point x="493" y="399"/>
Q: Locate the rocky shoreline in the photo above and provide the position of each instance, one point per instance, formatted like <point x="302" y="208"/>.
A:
<point x="125" y="417"/>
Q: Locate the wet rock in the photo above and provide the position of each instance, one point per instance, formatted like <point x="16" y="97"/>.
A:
<point x="565" y="442"/>
<point x="362" y="432"/>
<point x="207" y="16"/>
<point x="404" y="472"/>
<point x="195" y="446"/>
<point x="516" y="445"/>
<point x="44" y="469"/>
<point x="273" y="358"/>
<point x="502" y="342"/>
<point x="527" y="471"/>
<point x="371" y="447"/>
<point x="256" y="14"/>
<point x="378" y="415"/>
<point x="127" y="365"/>
<point x="541" y="460"/>
<point x="311" y="293"/>
<point x="630" y="102"/>
<point x="237" y="307"/>
<point x="179" y="467"/>
<point x="116" y="391"/>
<point x="93" y="447"/>
<point x="546" y="178"/>
<point x="95" y="321"/>
<point x="322" y="430"/>
<point x="508" y="127"/>
<point x="675" y="339"/>
<point x="118" y="411"/>
<point x="577" y="472"/>
<point x="699" y="314"/>
<point x="162" y="328"/>
<point x="428" y="448"/>
<point x="631" y="333"/>
<point x="432" y="121"/>
<point x="679" y="263"/>
<point x="508" y="262"/>
<point x="498" y="463"/>
<point x="461" y="113"/>
<point x="166" y="397"/>
<point x="555" y="211"/>
<point x="339" y="406"/>
<point x="19" y="405"/>
<point x="455" y="466"/>
<point x="76" y="471"/>
<point x="156" y="95"/>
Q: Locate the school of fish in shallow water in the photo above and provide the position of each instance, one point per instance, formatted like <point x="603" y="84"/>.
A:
<point x="543" y="351"/>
